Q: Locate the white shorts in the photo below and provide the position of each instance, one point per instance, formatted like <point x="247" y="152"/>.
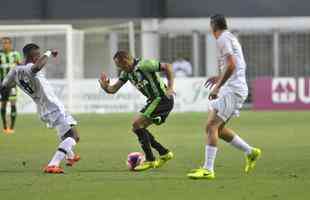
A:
<point x="59" y="120"/>
<point x="227" y="105"/>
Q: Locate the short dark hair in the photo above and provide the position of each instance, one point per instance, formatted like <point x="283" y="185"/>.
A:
<point x="121" y="54"/>
<point x="28" y="48"/>
<point x="218" y="22"/>
<point x="7" y="38"/>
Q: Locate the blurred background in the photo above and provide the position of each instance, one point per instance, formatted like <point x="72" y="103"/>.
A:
<point x="275" y="36"/>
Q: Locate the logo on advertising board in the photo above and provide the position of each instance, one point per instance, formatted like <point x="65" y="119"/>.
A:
<point x="281" y="93"/>
<point x="283" y="90"/>
<point x="304" y="90"/>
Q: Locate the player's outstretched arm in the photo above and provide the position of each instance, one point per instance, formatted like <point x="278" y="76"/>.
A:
<point x="168" y="69"/>
<point x="104" y="82"/>
<point x="41" y="62"/>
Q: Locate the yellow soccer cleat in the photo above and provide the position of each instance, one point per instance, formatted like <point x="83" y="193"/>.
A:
<point x="250" y="159"/>
<point x="145" y="166"/>
<point x="201" y="173"/>
<point x="163" y="159"/>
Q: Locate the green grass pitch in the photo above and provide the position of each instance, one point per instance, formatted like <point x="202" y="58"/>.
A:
<point x="282" y="173"/>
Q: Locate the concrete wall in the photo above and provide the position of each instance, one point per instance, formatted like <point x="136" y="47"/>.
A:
<point x="237" y="8"/>
<point x="82" y="9"/>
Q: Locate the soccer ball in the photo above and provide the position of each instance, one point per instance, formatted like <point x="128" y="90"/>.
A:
<point x="134" y="159"/>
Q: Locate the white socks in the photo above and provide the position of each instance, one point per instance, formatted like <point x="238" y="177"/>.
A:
<point x="210" y="151"/>
<point x="57" y="158"/>
<point x="210" y="154"/>
<point x="65" y="146"/>
<point x="240" y="144"/>
<point x="70" y="154"/>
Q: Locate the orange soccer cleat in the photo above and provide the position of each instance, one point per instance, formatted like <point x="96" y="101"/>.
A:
<point x="72" y="161"/>
<point x="53" y="170"/>
<point x="9" y="131"/>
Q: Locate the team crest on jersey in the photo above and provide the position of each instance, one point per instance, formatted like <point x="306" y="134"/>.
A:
<point x="141" y="84"/>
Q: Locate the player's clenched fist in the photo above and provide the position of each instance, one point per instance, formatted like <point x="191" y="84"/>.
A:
<point x="51" y="52"/>
<point x="54" y="52"/>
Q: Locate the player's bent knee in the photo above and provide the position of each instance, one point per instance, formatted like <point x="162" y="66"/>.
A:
<point x="135" y="128"/>
<point x="220" y="131"/>
<point x="76" y="138"/>
<point x="136" y="125"/>
<point x="73" y="134"/>
<point x="222" y="136"/>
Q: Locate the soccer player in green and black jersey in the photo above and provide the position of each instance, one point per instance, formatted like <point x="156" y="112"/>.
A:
<point x="8" y="60"/>
<point x="143" y="74"/>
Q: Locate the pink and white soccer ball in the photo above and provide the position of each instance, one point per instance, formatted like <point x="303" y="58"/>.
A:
<point x="134" y="159"/>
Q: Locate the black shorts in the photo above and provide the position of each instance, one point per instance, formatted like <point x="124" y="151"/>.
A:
<point x="158" y="109"/>
<point x="10" y="94"/>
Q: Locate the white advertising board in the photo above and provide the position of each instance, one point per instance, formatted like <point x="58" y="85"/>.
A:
<point x="88" y="97"/>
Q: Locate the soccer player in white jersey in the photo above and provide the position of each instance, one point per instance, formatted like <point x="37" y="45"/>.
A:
<point x="229" y="91"/>
<point x="31" y="80"/>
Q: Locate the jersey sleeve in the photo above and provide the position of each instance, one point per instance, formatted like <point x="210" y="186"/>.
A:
<point x="123" y="77"/>
<point x="9" y="79"/>
<point x="225" y="46"/>
<point x="150" y="65"/>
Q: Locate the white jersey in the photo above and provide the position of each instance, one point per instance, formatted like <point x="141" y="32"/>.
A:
<point x="37" y="87"/>
<point x="228" y="44"/>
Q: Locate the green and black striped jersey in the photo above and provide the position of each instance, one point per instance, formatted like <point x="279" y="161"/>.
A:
<point x="8" y="61"/>
<point x="145" y="78"/>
